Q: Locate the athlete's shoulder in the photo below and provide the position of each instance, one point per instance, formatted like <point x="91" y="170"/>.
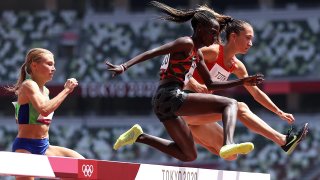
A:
<point x="47" y="91"/>
<point x="239" y="67"/>
<point x="210" y="53"/>
<point x="184" y="42"/>
<point x="211" y="48"/>
<point x="185" y="39"/>
<point x="28" y="83"/>
<point x="238" y="62"/>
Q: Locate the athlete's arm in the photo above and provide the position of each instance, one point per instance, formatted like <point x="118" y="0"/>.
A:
<point x="40" y="101"/>
<point x="180" y="45"/>
<point x="218" y="85"/>
<point x="259" y="95"/>
<point x="210" y="54"/>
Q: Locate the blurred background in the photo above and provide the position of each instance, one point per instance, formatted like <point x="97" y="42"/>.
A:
<point x="83" y="33"/>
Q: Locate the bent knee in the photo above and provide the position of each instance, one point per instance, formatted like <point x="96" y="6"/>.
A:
<point x="243" y="107"/>
<point x="233" y="103"/>
<point x="189" y="157"/>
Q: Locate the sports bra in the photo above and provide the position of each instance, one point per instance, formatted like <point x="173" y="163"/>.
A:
<point x="27" y="114"/>
<point x="179" y="69"/>
<point x="217" y="69"/>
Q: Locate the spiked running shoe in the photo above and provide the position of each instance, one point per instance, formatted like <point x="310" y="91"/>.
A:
<point x="293" y="140"/>
<point x="233" y="149"/>
<point x="128" y="137"/>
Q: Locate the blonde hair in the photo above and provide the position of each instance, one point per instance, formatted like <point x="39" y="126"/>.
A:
<point x="34" y="55"/>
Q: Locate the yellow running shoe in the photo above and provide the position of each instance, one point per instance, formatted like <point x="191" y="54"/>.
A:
<point x="128" y="137"/>
<point x="231" y="149"/>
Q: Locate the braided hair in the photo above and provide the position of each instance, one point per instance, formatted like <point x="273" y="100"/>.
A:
<point x="197" y="16"/>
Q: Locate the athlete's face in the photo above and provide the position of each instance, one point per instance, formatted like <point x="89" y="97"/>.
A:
<point x="244" y="39"/>
<point x="210" y="33"/>
<point x="45" y="67"/>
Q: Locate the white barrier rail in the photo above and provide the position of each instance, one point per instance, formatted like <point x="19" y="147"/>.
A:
<point x="60" y="167"/>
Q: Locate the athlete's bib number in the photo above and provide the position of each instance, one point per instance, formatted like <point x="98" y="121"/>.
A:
<point x="165" y="62"/>
<point x="191" y="70"/>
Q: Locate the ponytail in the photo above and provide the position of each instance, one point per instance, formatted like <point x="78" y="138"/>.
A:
<point x="174" y="15"/>
<point x="21" y="78"/>
<point x="198" y="16"/>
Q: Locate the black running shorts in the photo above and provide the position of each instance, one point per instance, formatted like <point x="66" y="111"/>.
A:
<point x="167" y="100"/>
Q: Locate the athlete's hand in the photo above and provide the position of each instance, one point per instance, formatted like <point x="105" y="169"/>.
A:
<point x="286" y="116"/>
<point x="70" y="84"/>
<point x="201" y="88"/>
<point x="115" y="69"/>
<point x="196" y="86"/>
<point x="253" y="80"/>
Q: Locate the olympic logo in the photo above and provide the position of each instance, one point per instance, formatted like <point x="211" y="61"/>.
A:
<point x="87" y="170"/>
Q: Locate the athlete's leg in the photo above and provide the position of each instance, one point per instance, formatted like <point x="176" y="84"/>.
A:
<point x="204" y="126"/>
<point x="23" y="177"/>
<point x="215" y="142"/>
<point x="199" y="104"/>
<point x="257" y="125"/>
<point x="23" y="151"/>
<point x="287" y="142"/>
<point x="201" y="133"/>
<point x="62" y="151"/>
<point x="202" y="119"/>
<point x="248" y="118"/>
<point x="182" y="147"/>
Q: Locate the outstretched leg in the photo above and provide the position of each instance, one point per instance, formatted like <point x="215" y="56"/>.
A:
<point x="182" y="147"/>
<point x="257" y="125"/>
<point x="200" y="129"/>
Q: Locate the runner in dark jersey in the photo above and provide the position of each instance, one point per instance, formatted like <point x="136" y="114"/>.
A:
<point x="170" y="102"/>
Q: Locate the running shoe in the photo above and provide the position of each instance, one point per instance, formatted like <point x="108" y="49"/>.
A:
<point x="293" y="139"/>
<point x="233" y="149"/>
<point x="128" y="137"/>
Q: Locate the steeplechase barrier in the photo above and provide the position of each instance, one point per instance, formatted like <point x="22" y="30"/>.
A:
<point x="21" y="164"/>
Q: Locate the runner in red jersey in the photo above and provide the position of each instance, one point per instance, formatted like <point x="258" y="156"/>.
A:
<point x="221" y="61"/>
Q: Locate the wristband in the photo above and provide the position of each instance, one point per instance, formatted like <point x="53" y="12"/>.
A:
<point x="124" y="68"/>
